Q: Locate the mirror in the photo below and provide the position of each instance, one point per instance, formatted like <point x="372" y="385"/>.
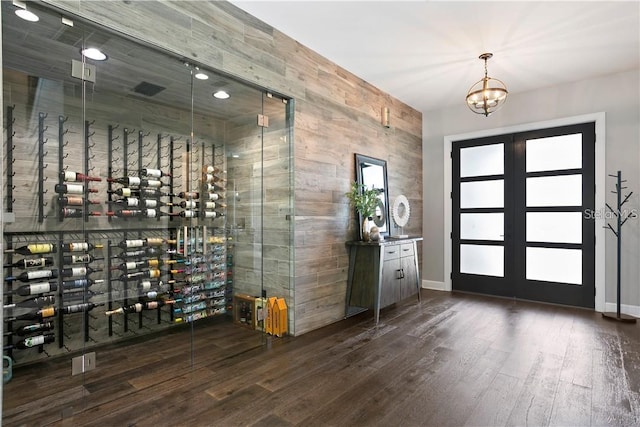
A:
<point x="372" y="173"/>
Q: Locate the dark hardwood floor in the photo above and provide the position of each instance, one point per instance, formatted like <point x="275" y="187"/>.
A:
<point x="452" y="360"/>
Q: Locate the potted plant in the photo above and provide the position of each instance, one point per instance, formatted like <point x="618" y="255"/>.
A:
<point x="365" y="201"/>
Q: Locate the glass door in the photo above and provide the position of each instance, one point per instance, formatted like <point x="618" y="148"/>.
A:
<point x="520" y="222"/>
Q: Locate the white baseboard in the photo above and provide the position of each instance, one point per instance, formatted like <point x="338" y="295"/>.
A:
<point x="430" y="284"/>
<point x="631" y="310"/>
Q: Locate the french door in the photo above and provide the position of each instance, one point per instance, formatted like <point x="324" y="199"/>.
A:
<point x="521" y="215"/>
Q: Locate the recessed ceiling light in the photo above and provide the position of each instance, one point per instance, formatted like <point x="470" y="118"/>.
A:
<point x="221" y="94"/>
<point x="201" y="76"/>
<point x="27" y="15"/>
<point x="94" y="53"/>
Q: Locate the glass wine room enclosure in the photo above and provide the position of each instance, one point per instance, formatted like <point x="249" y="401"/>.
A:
<point x="146" y="202"/>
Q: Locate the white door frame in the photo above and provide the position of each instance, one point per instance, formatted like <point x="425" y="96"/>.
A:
<point x="600" y="178"/>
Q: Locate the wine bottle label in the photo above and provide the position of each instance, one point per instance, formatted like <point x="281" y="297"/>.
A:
<point x="152" y="295"/>
<point x="209" y="178"/>
<point x="153" y="263"/>
<point x="189" y="214"/>
<point x="80" y="259"/>
<point x="133" y="202"/>
<point x="75" y="201"/>
<point x="190" y="204"/>
<point x="150" y="203"/>
<point x="136" y="243"/>
<point x="79" y="283"/>
<point x="152" y="304"/>
<point x="155" y="173"/>
<point x="209" y="214"/>
<point x="210" y="169"/>
<point x="130" y="265"/>
<point x="151" y="213"/>
<point x="39" y="288"/>
<point x="126" y="192"/>
<point x="154" y="273"/>
<point x="154" y="241"/>
<point x="137" y="307"/>
<point x="75" y="189"/>
<point x="38" y="262"/>
<point x="145" y="285"/>
<point x="33" y="341"/>
<point x="48" y="312"/>
<point x="78" y="247"/>
<point x="40" y="248"/>
<point x="134" y="181"/>
<point x="40" y="274"/>
<point x="210" y="205"/>
<point x="77" y="308"/>
<point x="69" y="176"/>
<point x="213" y="196"/>
<point x="78" y="271"/>
<point x="154" y="183"/>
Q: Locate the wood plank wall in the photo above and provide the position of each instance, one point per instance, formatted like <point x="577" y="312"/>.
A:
<point x="337" y="114"/>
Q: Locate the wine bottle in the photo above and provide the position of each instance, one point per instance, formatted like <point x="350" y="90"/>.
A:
<point x="213" y="214"/>
<point x="77" y="308"/>
<point x="189" y="213"/>
<point x="34" y="327"/>
<point x="76" y="201"/>
<point x="72" y="189"/>
<point x="138" y="307"/>
<point x="80" y="283"/>
<point x="210" y="178"/>
<point x="77" y="177"/>
<point x="140" y="192"/>
<point x="153" y="173"/>
<point x="152" y="273"/>
<point x="189" y="195"/>
<point x="80" y="259"/>
<point x="214" y="188"/>
<point x="139" y="253"/>
<point x="34" y="248"/>
<point x="34" y="341"/>
<point x="76" y="213"/>
<point x="131" y="213"/>
<point x="35" y="302"/>
<point x="139" y="243"/>
<point x="43" y="313"/>
<point x="80" y="246"/>
<point x="36" y="288"/>
<point x="135" y="181"/>
<point x="134" y="202"/>
<point x="32" y="263"/>
<point x="25" y="276"/>
<point x="78" y="271"/>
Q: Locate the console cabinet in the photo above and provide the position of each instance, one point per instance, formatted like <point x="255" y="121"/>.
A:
<point x="381" y="273"/>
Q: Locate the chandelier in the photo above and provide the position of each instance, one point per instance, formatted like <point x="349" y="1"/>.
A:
<point x="487" y="95"/>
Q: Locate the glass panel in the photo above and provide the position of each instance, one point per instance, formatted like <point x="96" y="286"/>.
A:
<point x="482" y="160"/>
<point x="554" y="153"/>
<point x="482" y="259"/>
<point x="562" y="190"/>
<point x="482" y="226"/>
<point x="482" y="194"/>
<point x="554" y="227"/>
<point x="554" y="265"/>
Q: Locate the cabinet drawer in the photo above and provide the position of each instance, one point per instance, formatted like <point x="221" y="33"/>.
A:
<point x="406" y="250"/>
<point x="391" y="252"/>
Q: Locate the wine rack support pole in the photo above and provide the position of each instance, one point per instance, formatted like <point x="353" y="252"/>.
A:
<point x="9" y="297"/>
<point x="61" y="132"/>
<point x="109" y="285"/>
<point x="60" y="301"/>
<point x="87" y="136"/>
<point x="139" y="168"/>
<point x="10" y="135"/>
<point x="41" y="153"/>
<point x="171" y="178"/>
<point x="159" y="161"/>
<point x="125" y="151"/>
<point x="110" y="140"/>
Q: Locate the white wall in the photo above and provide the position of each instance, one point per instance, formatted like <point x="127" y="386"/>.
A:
<point x="618" y="95"/>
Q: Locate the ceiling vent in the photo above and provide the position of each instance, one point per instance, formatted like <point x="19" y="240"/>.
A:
<point x="148" y="89"/>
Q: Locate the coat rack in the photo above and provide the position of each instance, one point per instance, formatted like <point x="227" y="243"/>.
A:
<point x="618" y="233"/>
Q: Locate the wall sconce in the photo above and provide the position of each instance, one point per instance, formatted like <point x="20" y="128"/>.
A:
<point x="384" y="117"/>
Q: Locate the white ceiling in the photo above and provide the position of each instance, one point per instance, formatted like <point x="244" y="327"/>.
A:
<point x="425" y="53"/>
